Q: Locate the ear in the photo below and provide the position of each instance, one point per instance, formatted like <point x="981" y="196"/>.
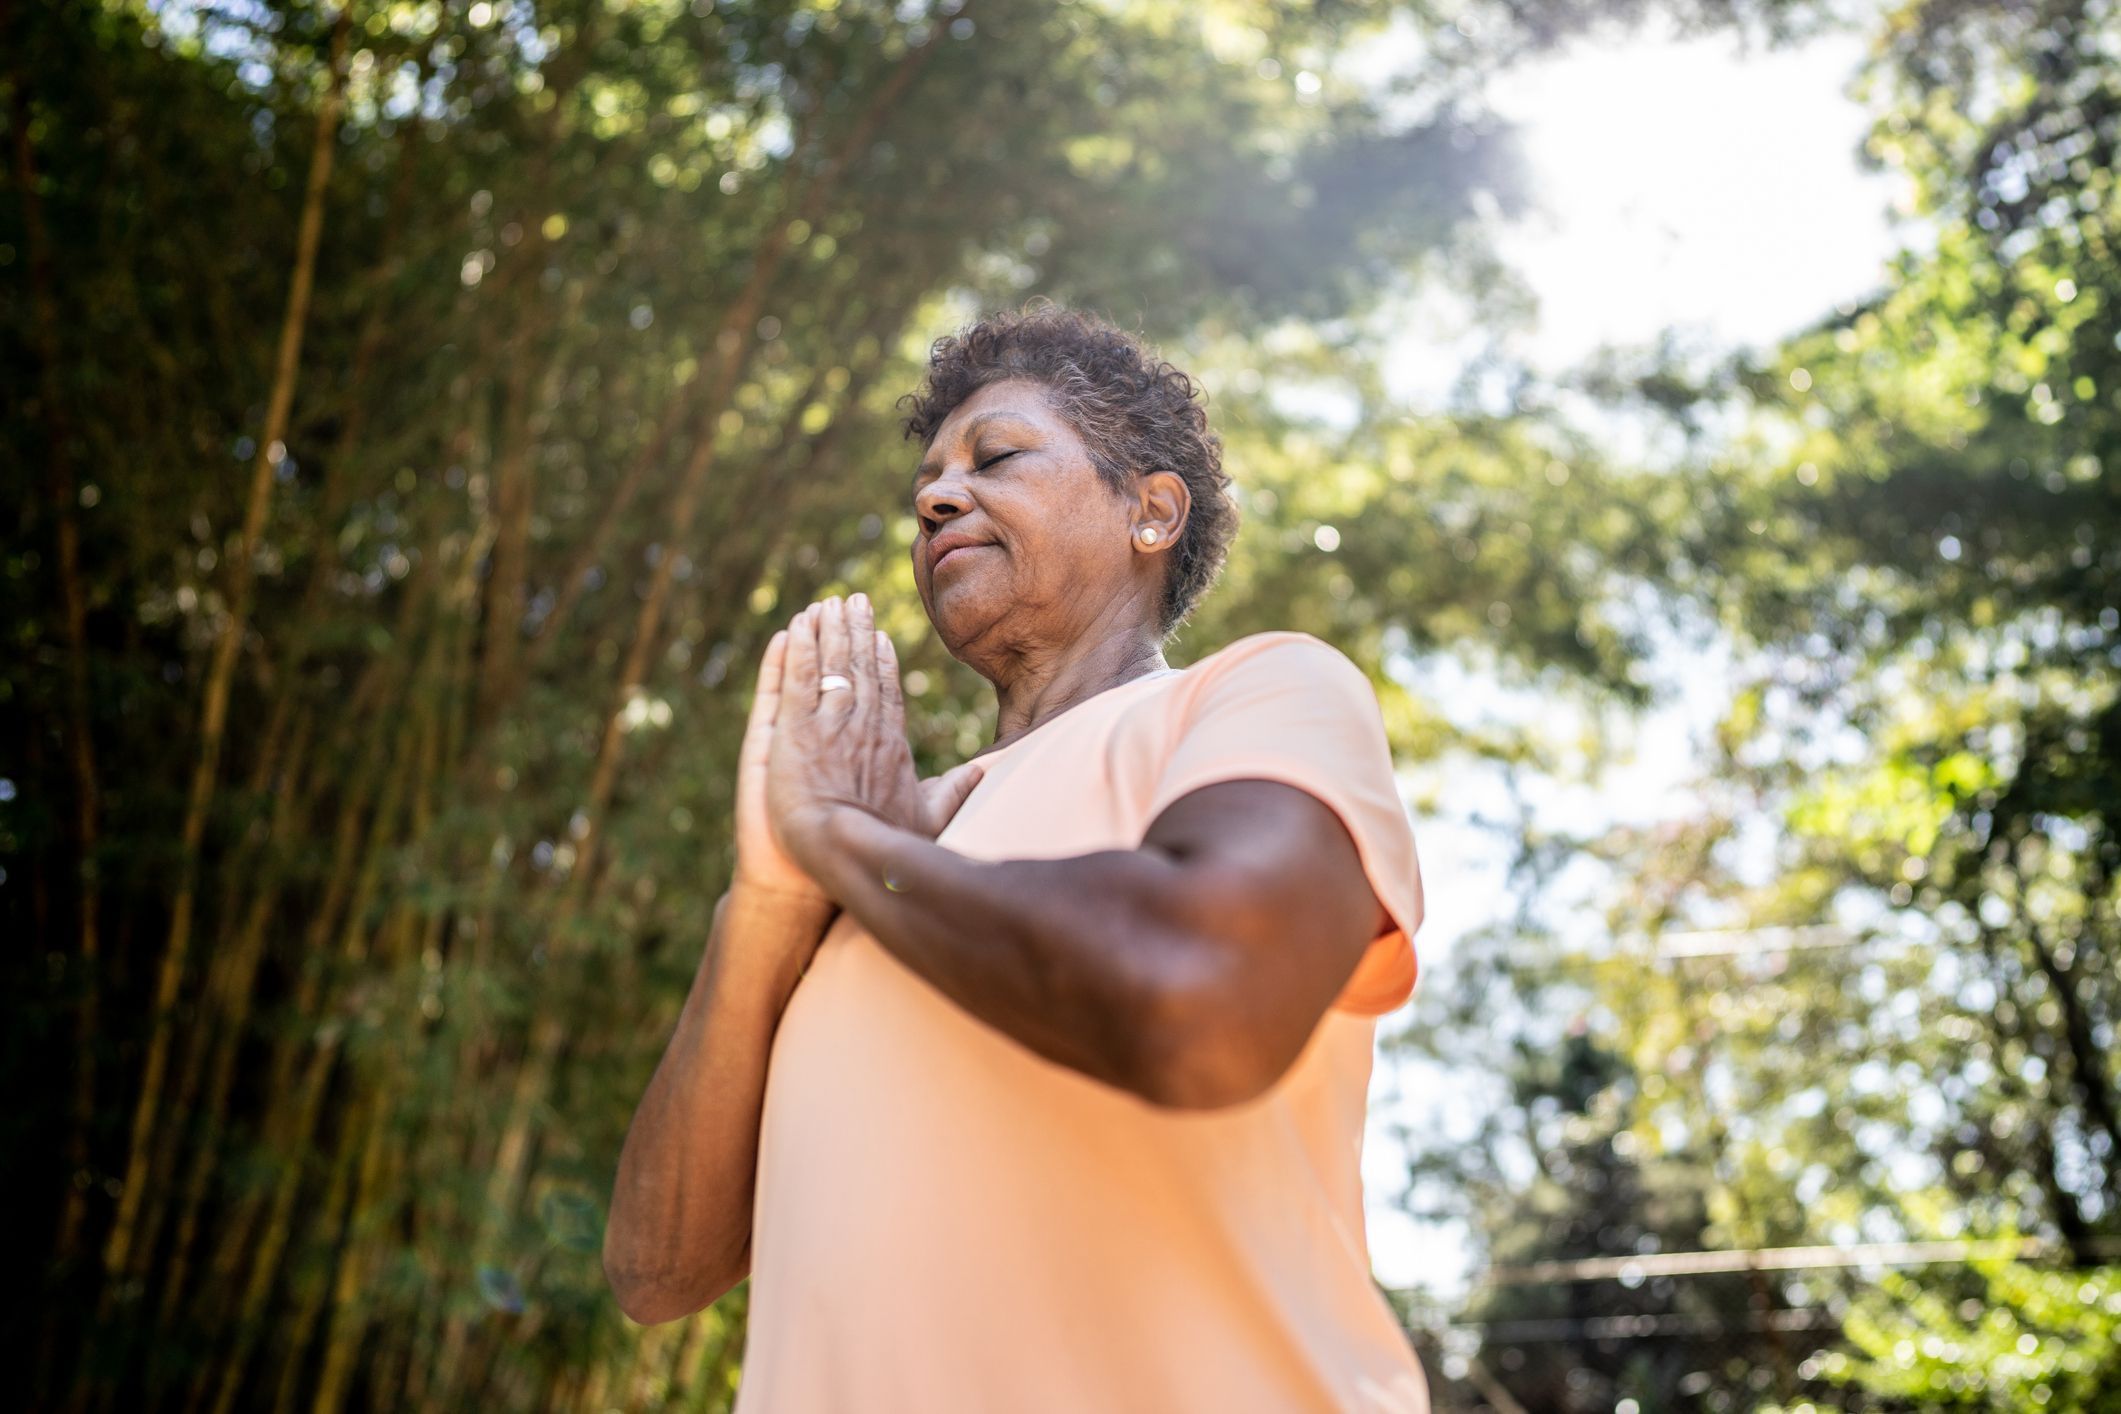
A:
<point x="1161" y="500"/>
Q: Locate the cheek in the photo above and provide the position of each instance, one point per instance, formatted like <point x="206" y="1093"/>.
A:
<point x="1077" y="526"/>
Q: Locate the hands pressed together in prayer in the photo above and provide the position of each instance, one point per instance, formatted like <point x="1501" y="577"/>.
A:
<point x="819" y="765"/>
<point x="811" y="751"/>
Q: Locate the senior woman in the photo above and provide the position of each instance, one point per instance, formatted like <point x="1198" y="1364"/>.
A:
<point x="1040" y="1085"/>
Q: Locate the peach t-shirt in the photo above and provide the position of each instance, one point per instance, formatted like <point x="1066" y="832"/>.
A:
<point x="946" y="1221"/>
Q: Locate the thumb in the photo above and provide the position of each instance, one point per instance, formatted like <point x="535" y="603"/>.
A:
<point x="949" y="791"/>
<point x="765" y="702"/>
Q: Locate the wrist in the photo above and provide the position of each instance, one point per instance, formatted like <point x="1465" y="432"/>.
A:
<point x="828" y="846"/>
<point x="756" y="894"/>
<point x="850" y="840"/>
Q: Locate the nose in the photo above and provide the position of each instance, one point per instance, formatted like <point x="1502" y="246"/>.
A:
<point x="941" y="500"/>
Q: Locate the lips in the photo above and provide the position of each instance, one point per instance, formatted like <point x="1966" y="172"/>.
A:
<point x="946" y="545"/>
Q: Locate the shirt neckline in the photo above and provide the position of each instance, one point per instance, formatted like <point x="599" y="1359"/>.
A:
<point x="994" y="751"/>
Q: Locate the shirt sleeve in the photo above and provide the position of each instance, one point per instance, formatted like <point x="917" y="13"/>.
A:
<point x="1290" y="707"/>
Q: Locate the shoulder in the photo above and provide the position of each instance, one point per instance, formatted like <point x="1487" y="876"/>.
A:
<point x="1288" y="655"/>
<point x="1280" y="675"/>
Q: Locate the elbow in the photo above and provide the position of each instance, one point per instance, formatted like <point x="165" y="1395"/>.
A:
<point x="636" y="1307"/>
<point x="643" y="1301"/>
<point x="647" y="1301"/>
<point x="653" y="1294"/>
<point x="1198" y="1083"/>
<point x="1193" y="1054"/>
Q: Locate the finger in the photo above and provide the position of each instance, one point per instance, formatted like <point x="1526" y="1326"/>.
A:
<point x="832" y="651"/>
<point x="889" y="696"/>
<point x="861" y="648"/>
<point x="799" y="675"/>
<point x="950" y="790"/>
<point x="766" y="696"/>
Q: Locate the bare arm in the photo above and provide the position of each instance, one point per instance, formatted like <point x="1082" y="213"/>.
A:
<point x="679" y="1233"/>
<point x="1189" y="971"/>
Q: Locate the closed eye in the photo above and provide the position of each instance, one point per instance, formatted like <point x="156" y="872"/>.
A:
<point x="998" y="457"/>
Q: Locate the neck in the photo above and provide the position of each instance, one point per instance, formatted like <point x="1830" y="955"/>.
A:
<point x="1045" y="684"/>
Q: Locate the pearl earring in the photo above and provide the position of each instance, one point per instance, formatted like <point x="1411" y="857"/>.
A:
<point x="1148" y="535"/>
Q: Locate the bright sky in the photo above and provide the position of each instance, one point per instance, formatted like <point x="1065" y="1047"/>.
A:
<point x="1683" y="185"/>
<point x="1688" y="185"/>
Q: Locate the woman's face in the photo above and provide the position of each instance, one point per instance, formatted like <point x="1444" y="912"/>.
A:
<point x="1021" y="545"/>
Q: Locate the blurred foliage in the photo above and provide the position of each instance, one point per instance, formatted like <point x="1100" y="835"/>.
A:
<point x="2029" y="1339"/>
<point x="423" y="412"/>
<point x="1913" y="544"/>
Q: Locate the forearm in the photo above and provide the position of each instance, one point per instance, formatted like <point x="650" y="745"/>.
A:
<point x="680" y="1224"/>
<point x="1083" y="960"/>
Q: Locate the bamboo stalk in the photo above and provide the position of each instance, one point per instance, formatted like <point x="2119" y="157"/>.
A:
<point x="348" y="1321"/>
<point x="292" y="1131"/>
<point x="565" y="1390"/>
<point x="505" y="597"/>
<point x="733" y="1312"/>
<point x="806" y="200"/>
<point x="647" y="1347"/>
<point x="265" y="1267"/>
<point x="451" y="1361"/>
<point x="593" y="1400"/>
<point x="682" y="1355"/>
<point x="368" y="345"/>
<point x="353" y="949"/>
<point x="548" y="1032"/>
<point x="352" y="860"/>
<point x="414" y="776"/>
<point x="574" y="581"/>
<point x="311" y="1288"/>
<point x="387" y="1371"/>
<point x="512" y="498"/>
<point x="351" y="875"/>
<point x="690" y="1381"/>
<point x="520" y="1331"/>
<point x="226" y="1033"/>
<point x="420" y="1358"/>
<point x="228" y="1028"/>
<point x="243" y="961"/>
<point x="727" y="599"/>
<point x="442" y="1344"/>
<point x="723" y="602"/>
<point x="339" y="884"/>
<point x="221" y="671"/>
<point x="515" y="497"/>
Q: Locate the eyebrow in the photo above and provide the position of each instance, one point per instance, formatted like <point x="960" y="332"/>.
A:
<point x="932" y="467"/>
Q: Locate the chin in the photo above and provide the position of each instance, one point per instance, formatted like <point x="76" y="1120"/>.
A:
<point x="960" y="622"/>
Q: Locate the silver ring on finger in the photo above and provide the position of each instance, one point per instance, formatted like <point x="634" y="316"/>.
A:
<point x="833" y="682"/>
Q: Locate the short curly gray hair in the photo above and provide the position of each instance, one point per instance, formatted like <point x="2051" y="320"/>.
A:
<point x="1134" y="411"/>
